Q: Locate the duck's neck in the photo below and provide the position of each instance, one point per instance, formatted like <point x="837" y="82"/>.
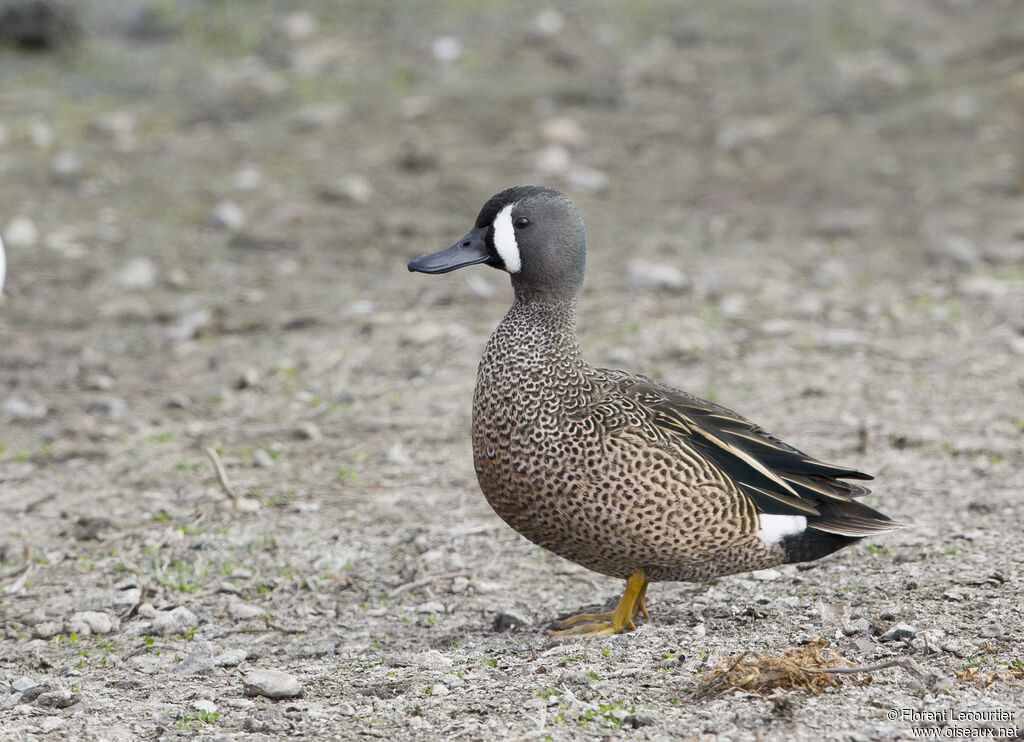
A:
<point x="536" y="334"/>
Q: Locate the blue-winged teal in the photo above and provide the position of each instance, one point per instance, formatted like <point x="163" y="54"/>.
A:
<point x="621" y="474"/>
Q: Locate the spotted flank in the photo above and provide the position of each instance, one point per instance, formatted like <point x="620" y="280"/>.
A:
<point x="614" y="471"/>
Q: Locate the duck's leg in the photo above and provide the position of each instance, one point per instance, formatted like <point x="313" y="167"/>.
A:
<point x="613" y="622"/>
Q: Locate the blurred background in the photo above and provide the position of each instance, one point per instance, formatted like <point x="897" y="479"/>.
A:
<point x="809" y="211"/>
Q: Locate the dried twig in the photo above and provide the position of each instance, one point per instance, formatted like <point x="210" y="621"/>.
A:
<point x="424" y="582"/>
<point x="222" y="476"/>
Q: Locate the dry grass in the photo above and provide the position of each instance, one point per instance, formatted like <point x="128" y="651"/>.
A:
<point x="798" y="669"/>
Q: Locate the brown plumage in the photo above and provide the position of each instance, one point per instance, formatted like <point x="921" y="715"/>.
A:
<point x="616" y="472"/>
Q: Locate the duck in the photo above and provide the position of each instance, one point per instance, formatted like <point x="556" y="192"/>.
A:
<point x="617" y="472"/>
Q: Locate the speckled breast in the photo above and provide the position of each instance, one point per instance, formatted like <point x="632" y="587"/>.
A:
<point x="572" y="464"/>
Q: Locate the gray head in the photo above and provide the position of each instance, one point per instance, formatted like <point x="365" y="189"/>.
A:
<point x="533" y="233"/>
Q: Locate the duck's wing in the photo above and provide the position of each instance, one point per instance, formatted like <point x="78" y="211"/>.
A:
<point x="778" y="478"/>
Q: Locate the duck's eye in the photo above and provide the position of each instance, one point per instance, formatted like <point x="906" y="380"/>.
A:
<point x="522" y="222"/>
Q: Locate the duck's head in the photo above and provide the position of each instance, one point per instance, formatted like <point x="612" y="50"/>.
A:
<point x="532" y="233"/>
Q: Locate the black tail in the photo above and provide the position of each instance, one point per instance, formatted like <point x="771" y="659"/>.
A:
<point x="838" y="524"/>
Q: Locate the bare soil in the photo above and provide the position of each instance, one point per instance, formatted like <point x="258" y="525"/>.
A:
<point x="208" y="208"/>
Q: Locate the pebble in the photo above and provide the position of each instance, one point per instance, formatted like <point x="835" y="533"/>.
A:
<point x="59" y="699"/>
<point x="639" y="719"/>
<point x="318" y="116"/>
<point x="205" y="705"/>
<point x="846" y="222"/>
<point x="174" y="621"/>
<point x="553" y="160"/>
<point x="953" y="248"/>
<point x="118" y="125"/>
<point x="433" y="660"/>
<point x="262" y="459"/>
<point x="446" y="49"/>
<point x="21" y="232"/>
<point x="198" y="661"/>
<point x="460" y="585"/>
<point x="271" y="684"/>
<point x="899" y="631"/>
<point x="431" y="607"/>
<point x="353" y="189"/>
<point x="46" y="629"/>
<point x="24" y="409"/>
<point x="227" y="215"/>
<point x="137" y="273"/>
<point x="298" y="26"/>
<point x="85" y="623"/>
<point x="563" y="130"/>
<point x="857" y="626"/>
<point x="242" y="611"/>
<point x="507" y="620"/>
<point x="641" y="274"/>
<point x="22" y="684"/>
<point x="548" y="23"/>
<point x="309" y="431"/>
<point x="765" y="575"/>
<point x="66" y="164"/>
<point x="230" y="658"/>
<point x="586" y="179"/>
<point x="439" y="689"/>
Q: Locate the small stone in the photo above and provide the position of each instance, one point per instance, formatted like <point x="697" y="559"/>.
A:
<point x="700" y="629"/>
<point x="146" y="610"/>
<point x="46" y="629"/>
<point x="586" y="179"/>
<point x="227" y="215"/>
<point x="308" y="431"/>
<point x="241" y="611"/>
<point x="298" y="26"/>
<point x="205" y="705"/>
<point x="58" y="699"/>
<point x="639" y="719"/>
<point x="198" y="661"/>
<point x="271" y="684"/>
<point x="432" y="606"/>
<point x="230" y="658"/>
<point x="433" y="660"/>
<point x="641" y="274"/>
<point x="24" y="409"/>
<point x="318" y="116"/>
<point x="564" y="131"/>
<point x="22" y="684"/>
<point x="126" y="596"/>
<point x="857" y="627"/>
<point x="446" y="49"/>
<point x="248" y="379"/>
<point x="118" y="125"/>
<point x="953" y="248"/>
<point x="21" y="232"/>
<point x="839" y="337"/>
<point x="439" y="689"/>
<point x="92" y="622"/>
<point x="175" y="621"/>
<point x="137" y="273"/>
<point x="899" y="631"/>
<point x="66" y="164"/>
<point x="553" y="160"/>
<point x="737" y="133"/>
<point x="262" y="459"/>
<point x="765" y="575"/>
<point x="507" y="620"/>
<point x="353" y="189"/>
<point x="846" y="222"/>
<point x="548" y="23"/>
<point x="460" y="585"/>
<point x="397" y="455"/>
<point x="415" y="106"/>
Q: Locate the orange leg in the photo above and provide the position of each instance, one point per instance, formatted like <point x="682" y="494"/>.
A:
<point x="613" y="622"/>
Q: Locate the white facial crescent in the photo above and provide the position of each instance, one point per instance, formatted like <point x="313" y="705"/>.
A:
<point x="505" y="240"/>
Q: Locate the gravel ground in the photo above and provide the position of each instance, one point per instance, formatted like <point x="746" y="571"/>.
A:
<point x="809" y="212"/>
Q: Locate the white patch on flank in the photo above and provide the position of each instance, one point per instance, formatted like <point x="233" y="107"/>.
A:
<point x="505" y="240"/>
<point x="773" y="528"/>
<point x="3" y="266"/>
